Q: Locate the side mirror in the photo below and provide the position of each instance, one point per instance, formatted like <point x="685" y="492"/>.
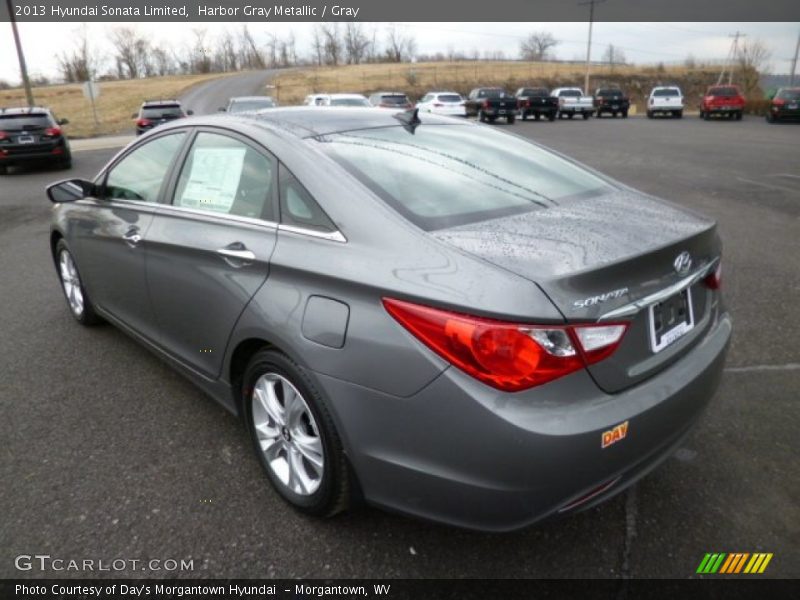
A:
<point x="63" y="121"/>
<point x="190" y="112"/>
<point x="70" y="190"/>
<point x="222" y="109"/>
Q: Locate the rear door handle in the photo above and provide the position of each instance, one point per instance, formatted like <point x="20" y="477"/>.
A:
<point x="132" y="237"/>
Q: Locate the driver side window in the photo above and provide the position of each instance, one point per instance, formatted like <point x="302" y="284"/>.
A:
<point x="140" y="174"/>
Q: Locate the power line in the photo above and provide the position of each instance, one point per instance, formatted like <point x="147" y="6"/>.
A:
<point x="731" y="58"/>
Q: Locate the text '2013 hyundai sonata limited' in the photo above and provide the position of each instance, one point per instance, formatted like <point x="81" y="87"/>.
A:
<point x="443" y="319"/>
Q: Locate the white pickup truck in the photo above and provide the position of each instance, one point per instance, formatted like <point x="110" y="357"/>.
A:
<point x="665" y="100"/>
<point x="572" y="101"/>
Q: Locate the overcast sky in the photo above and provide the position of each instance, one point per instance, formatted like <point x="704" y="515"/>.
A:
<point x="641" y="42"/>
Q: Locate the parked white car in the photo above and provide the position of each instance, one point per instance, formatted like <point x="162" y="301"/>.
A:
<point x="665" y="100"/>
<point x="353" y="100"/>
<point x="450" y="104"/>
<point x="572" y="101"/>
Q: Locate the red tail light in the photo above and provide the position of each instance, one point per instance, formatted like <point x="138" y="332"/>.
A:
<point x="144" y="122"/>
<point x="778" y="101"/>
<point x="714" y="280"/>
<point x="487" y="104"/>
<point x="3" y="135"/>
<point x="52" y="131"/>
<point x="507" y="356"/>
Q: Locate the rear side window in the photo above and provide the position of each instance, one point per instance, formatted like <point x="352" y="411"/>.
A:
<point x="224" y="175"/>
<point x="447" y="175"/>
<point x="667" y="92"/>
<point x="394" y="99"/>
<point x="449" y="98"/>
<point x="569" y="94"/>
<point x="140" y="174"/>
<point x="789" y="94"/>
<point x="298" y="208"/>
<point x="26" y="121"/>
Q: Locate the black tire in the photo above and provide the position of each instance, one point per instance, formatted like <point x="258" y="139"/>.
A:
<point x="333" y="494"/>
<point x="738" y="116"/>
<point x="769" y="117"/>
<point x="551" y="117"/>
<point x="570" y="115"/>
<point x="706" y="116"/>
<point x="678" y="114"/>
<point x="624" y="114"/>
<point x="3" y="169"/>
<point x="701" y="114"/>
<point x="586" y="116"/>
<point x="87" y="317"/>
<point x="492" y="119"/>
<point x="649" y="114"/>
<point x="560" y="115"/>
<point x="481" y="116"/>
<point x="537" y="116"/>
<point x="510" y="119"/>
<point x="614" y="114"/>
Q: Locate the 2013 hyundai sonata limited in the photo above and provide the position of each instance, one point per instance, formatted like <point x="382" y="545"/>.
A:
<point x="443" y="319"/>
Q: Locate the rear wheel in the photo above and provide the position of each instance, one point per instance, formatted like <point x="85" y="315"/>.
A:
<point x="707" y="116"/>
<point x="585" y="116"/>
<point x="523" y="115"/>
<point x="570" y="115"/>
<point x="739" y="116"/>
<point x="294" y="436"/>
<point x="537" y="116"/>
<point x="678" y="114"/>
<point x="481" y="116"/>
<point x="510" y="119"/>
<point x="624" y="114"/>
<point x="551" y="117"/>
<point x="649" y="114"/>
<point x="78" y="300"/>
<point x="769" y="117"/>
<point x="3" y="169"/>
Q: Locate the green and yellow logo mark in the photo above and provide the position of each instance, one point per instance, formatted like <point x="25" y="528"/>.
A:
<point x="734" y="563"/>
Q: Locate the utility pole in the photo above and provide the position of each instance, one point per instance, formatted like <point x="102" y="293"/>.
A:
<point x="591" y="4"/>
<point x="794" y="61"/>
<point x="731" y="58"/>
<point x="23" y="69"/>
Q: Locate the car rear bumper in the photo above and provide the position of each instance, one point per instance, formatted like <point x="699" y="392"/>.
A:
<point x="21" y="153"/>
<point x="462" y="453"/>
<point x="723" y="109"/>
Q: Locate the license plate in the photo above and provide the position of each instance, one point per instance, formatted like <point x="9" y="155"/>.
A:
<point x="792" y="106"/>
<point x="615" y="106"/>
<point x="670" y="320"/>
<point x="501" y="111"/>
<point x="25" y="139"/>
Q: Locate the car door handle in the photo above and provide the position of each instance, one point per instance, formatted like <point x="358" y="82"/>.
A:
<point x="238" y="252"/>
<point x="132" y="238"/>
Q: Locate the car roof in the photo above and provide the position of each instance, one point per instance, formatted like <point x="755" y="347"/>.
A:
<point x="25" y="110"/>
<point x="343" y="96"/>
<point x="308" y="121"/>
<point x="389" y="94"/>
<point x="161" y="103"/>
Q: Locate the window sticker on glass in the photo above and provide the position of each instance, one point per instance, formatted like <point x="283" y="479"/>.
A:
<point x="214" y="178"/>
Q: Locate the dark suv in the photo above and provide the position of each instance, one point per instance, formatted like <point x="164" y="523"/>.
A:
<point x="32" y="134"/>
<point x="390" y="100"/>
<point x="157" y="112"/>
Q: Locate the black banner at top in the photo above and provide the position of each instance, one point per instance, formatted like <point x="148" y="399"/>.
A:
<point x="404" y="10"/>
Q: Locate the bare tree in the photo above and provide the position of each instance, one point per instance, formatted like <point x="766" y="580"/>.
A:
<point x="356" y="43"/>
<point x="317" y="46"/>
<point x="399" y="47"/>
<point x="537" y="46"/>
<point x="132" y="52"/>
<point x="332" y="45"/>
<point x="79" y="63"/>
<point x="614" y="56"/>
<point x="751" y="59"/>
<point x="164" y="61"/>
<point x="250" y="57"/>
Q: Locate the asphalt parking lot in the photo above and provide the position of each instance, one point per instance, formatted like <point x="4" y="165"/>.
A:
<point x="109" y="454"/>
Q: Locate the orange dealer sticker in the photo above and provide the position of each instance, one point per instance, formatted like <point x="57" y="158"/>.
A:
<point x="615" y="434"/>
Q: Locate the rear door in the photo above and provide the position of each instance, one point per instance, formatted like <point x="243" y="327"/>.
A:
<point x="210" y="245"/>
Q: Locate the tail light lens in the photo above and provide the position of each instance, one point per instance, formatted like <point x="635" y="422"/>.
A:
<point x="3" y="135"/>
<point x="144" y="122"/>
<point x="778" y="101"/>
<point x="507" y="356"/>
<point x="52" y="132"/>
<point x="486" y="104"/>
<point x="714" y="280"/>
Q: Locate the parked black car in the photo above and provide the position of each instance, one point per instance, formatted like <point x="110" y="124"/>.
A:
<point x="536" y="102"/>
<point x="157" y="112"/>
<point x="32" y="134"/>
<point x="489" y="103"/>
<point x="611" y="100"/>
<point x="785" y="105"/>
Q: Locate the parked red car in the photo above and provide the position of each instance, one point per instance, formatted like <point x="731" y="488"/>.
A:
<point x="722" y="100"/>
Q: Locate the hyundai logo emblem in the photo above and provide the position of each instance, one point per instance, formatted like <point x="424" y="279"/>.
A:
<point x="683" y="262"/>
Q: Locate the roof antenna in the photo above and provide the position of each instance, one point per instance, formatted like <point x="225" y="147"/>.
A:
<point x="409" y="118"/>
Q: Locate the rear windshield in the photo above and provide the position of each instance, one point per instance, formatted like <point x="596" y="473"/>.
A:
<point x="449" y="98"/>
<point x="349" y="102"/>
<point x="570" y="94"/>
<point x="535" y="92"/>
<point x="154" y="112"/>
<point x="28" y="121"/>
<point x="612" y="93"/>
<point x="667" y="92"/>
<point x="447" y="175"/>
<point x="492" y="93"/>
<point x="723" y="91"/>
<point x="789" y="94"/>
<point x="394" y="99"/>
<point x="246" y="105"/>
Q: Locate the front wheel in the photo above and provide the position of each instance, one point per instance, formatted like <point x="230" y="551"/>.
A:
<point x="78" y="300"/>
<point x="294" y="435"/>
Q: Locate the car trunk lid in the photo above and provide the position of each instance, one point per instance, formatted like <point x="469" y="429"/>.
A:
<point x="597" y="255"/>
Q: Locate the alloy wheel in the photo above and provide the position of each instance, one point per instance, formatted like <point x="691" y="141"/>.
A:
<point x="71" y="282"/>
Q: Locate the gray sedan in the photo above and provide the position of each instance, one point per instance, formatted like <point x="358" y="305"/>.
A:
<point x="432" y="315"/>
